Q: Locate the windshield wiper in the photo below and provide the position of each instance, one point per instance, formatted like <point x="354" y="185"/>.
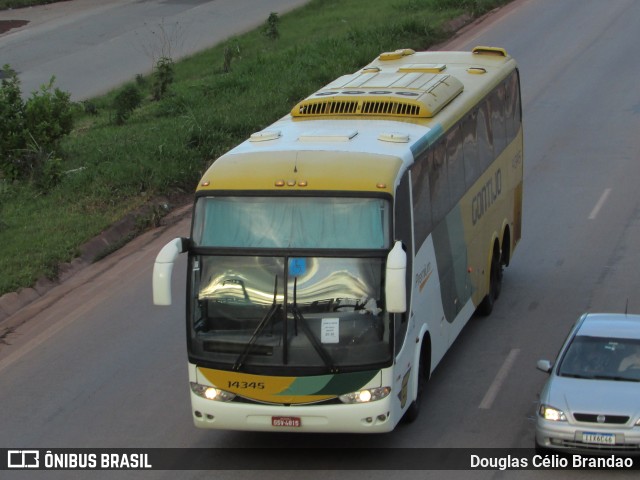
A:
<point x="256" y="333"/>
<point x="297" y="316"/>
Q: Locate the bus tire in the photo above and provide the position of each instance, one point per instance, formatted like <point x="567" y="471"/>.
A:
<point x="424" y="368"/>
<point x="495" y="286"/>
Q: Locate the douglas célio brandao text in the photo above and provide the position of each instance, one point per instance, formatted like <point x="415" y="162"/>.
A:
<point x="549" y="462"/>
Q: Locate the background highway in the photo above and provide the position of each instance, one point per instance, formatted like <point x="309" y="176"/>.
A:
<point x="91" y="46"/>
<point x="98" y="366"/>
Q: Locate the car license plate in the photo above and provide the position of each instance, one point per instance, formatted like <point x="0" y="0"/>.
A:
<point x="599" y="438"/>
<point x="286" y="421"/>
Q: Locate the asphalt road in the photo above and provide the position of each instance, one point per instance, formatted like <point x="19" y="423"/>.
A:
<point x="91" y="46"/>
<point x="101" y="367"/>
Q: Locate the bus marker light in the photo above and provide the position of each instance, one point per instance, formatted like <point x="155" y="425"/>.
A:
<point x="394" y="137"/>
<point x="205" y="184"/>
<point x="291" y="183"/>
<point x="279" y="183"/>
<point x="381" y="185"/>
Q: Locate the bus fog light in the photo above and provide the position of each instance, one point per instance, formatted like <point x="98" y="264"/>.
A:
<point x="366" y="396"/>
<point x="211" y="393"/>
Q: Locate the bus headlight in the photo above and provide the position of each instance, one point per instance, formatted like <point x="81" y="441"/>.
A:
<point x="553" y="414"/>
<point x="211" y="393"/>
<point x="365" y="396"/>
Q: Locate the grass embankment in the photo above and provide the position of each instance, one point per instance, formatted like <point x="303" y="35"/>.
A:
<point x="165" y="146"/>
<point x="6" y="4"/>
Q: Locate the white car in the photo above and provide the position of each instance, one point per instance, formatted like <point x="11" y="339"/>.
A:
<point x="591" y="401"/>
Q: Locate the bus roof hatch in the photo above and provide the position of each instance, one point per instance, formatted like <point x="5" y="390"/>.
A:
<point x="408" y="92"/>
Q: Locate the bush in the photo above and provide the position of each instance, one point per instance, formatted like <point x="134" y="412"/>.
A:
<point x="271" y="28"/>
<point x="48" y="115"/>
<point x="30" y="131"/>
<point x="230" y="52"/>
<point x="126" y="102"/>
<point x="162" y="77"/>
<point x="12" y="136"/>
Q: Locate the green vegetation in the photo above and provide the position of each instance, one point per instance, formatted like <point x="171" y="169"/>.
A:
<point x="157" y="135"/>
<point x="31" y="131"/>
<point x="6" y="4"/>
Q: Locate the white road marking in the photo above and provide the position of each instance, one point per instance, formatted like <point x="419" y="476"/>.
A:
<point x="596" y="209"/>
<point x="492" y="393"/>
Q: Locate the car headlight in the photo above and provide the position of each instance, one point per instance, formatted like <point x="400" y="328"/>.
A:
<point x="366" y="395"/>
<point x="553" y="414"/>
<point x="211" y="393"/>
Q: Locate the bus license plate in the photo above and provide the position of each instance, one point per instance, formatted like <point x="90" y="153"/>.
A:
<point x="599" y="438"/>
<point x="286" y="421"/>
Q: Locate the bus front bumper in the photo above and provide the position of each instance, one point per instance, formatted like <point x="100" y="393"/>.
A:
<point x="373" y="417"/>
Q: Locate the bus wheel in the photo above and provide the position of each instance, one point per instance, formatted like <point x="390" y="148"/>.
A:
<point x="423" y="377"/>
<point x="495" y="286"/>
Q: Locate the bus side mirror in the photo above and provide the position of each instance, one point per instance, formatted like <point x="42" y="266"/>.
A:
<point x="395" y="284"/>
<point x="163" y="269"/>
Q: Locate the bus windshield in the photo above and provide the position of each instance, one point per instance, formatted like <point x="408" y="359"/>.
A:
<point x="318" y="313"/>
<point x="291" y="222"/>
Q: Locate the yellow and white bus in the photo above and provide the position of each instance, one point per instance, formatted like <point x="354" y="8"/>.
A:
<point x="336" y="255"/>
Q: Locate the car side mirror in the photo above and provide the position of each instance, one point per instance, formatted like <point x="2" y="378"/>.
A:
<point x="544" y="365"/>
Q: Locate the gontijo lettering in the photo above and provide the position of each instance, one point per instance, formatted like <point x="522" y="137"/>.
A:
<point x="485" y="197"/>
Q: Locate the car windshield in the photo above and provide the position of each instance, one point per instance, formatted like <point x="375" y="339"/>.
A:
<point x="602" y="358"/>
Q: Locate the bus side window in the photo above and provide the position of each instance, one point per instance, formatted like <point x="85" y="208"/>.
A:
<point x="485" y="136"/>
<point x="421" y="198"/>
<point x="455" y="164"/>
<point x="513" y="113"/>
<point x="472" y="166"/>
<point x="438" y="183"/>
<point x="498" y="126"/>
